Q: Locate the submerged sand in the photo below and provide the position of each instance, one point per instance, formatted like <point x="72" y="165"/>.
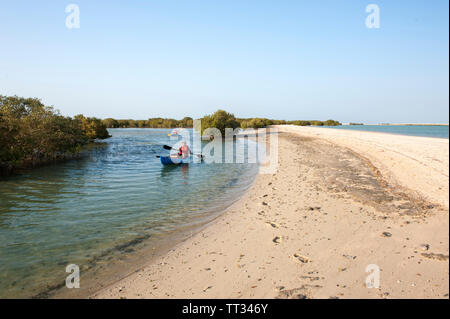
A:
<point x="340" y="201"/>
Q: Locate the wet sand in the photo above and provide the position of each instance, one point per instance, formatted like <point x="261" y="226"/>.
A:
<point x="340" y="201"/>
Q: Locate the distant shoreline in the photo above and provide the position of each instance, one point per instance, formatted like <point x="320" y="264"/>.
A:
<point x="401" y="124"/>
<point x="431" y="131"/>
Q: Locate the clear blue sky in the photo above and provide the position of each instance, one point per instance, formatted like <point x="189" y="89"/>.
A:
<point x="276" y="59"/>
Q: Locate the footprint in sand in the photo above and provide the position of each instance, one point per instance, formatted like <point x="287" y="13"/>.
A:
<point x="311" y="278"/>
<point x="272" y="224"/>
<point x="441" y="257"/>
<point x="300" y="258"/>
<point x="303" y="292"/>
<point x="277" y="240"/>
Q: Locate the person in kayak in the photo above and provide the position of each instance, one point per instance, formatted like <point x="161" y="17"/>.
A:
<point x="184" y="151"/>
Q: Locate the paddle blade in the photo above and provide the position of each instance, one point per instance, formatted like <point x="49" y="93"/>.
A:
<point x="167" y="147"/>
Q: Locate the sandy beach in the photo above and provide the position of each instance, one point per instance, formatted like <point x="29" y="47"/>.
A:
<point x="340" y="201"/>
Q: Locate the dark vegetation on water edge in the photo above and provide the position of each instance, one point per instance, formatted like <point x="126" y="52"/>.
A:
<point x="157" y="122"/>
<point x="220" y="119"/>
<point x="32" y="134"/>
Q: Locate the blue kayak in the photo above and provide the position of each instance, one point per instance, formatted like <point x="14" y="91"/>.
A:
<point x="172" y="160"/>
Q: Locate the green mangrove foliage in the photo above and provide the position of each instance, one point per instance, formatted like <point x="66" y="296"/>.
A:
<point x="263" y="122"/>
<point x="32" y="133"/>
<point x="255" y="123"/>
<point x="92" y="127"/>
<point x="315" y="123"/>
<point x="150" y="123"/>
<point x="220" y="119"/>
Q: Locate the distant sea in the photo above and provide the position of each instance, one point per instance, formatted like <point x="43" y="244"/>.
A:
<point x="439" y="131"/>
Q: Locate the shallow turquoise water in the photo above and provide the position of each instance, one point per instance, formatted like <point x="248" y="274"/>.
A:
<point x="95" y="209"/>
<point x="412" y="130"/>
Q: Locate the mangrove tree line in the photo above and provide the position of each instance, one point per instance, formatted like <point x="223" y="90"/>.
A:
<point x="220" y="119"/>
<point x="33" y="134"/>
